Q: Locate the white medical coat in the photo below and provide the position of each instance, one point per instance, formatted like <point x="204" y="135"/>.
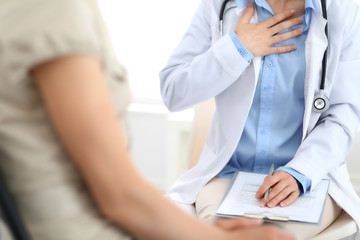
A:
<point x="205" y="66"/>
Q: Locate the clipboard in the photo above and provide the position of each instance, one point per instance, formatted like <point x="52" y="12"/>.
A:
<point x="239" y="200"/>
<point x="265" y="216"/>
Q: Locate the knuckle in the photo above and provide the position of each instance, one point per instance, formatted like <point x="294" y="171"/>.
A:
<point x="285" y="194"/>
<point x="291" y="199"/>
<point x="288" y="177"/>
<point x="284" y="203"/>
<point x="262" y="188"/>
<point x="272" y="195"/>
<point x="296" y="21"/>
<point x="287" y="49"/>
<point x="287" y="35"/>
<point x="279" y="186"/>
<point x="271" y="181"/>
<point x="279" y="50"/>
<point x="284" y="187"/>
<point x="272" y="203"/>
<point x="260" y="191"/>
<point x="266" y="180"/>
<point x="293" y="22"/>
<point x="295" y="191"/>
<point x="295" y="32"/>
<point x="268" y="32"/>
<point x="282" y="16"/>
<point x="281" y="196"/>
<point x="284" y="25"/>
<point x="276" y="18"/>
<point x="276" y="39"/>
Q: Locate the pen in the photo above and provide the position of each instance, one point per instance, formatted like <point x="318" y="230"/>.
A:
<point x="271" y="171"/>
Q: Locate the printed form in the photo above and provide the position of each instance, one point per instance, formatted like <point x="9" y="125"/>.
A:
<point x="240" y="201"/>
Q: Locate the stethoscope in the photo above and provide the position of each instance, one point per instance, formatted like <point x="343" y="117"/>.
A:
<point x="321" y="101"/>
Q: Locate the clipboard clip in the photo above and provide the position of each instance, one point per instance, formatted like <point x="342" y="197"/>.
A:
<point x="266" y="216"/>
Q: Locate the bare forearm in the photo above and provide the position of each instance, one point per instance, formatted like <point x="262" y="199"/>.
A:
<point x="122" y="194"/>
<point x="76" y="98"/>
<point x="154" y="217"/>
<point x="128" y="200"/>
<point x="78" y="104"/>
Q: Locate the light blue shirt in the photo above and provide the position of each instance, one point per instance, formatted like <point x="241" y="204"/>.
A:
<point x="273" y="130"/>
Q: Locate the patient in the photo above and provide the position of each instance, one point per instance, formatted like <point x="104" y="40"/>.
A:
<point x="64" y="150"/>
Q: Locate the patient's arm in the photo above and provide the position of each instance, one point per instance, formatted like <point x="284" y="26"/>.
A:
<point x="77" y="100"/>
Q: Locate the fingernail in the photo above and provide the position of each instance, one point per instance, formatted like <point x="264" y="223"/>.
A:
<point x="257" y="195"/>
<point x="282" y="204"/>
<point x="270" y="205"/>
<point x="293" y="10"/>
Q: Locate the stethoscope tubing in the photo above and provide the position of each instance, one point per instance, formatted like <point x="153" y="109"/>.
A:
<point x="221" y="20"/>
<point x="324" y="61"/>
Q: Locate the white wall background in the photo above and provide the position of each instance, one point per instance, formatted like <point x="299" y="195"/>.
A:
<point x="144" y="34"/>
<point x="160" y="142"/>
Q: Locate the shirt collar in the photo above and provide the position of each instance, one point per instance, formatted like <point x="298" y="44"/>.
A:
<point x="313" y="5"/>
<point x="309" y="5"/>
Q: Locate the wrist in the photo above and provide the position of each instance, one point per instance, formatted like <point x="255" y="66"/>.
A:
<point x="243" y="51"/>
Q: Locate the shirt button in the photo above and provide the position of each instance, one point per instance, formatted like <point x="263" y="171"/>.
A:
<point x="269" y="64"/>
<point x="267" y="108"/>
<point x="241" y="51"/>
<point x="263" y="132"/>
<point x="267" y="88"/>
<point x="261" y="153"/>
<point x="259" y="168"/>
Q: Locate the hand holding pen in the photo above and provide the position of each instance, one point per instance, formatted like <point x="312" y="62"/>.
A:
<point x="279" y="188"/>
<point x="271" y="172"/>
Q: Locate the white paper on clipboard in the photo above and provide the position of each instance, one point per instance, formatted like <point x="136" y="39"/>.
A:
<point x="240" y="201"/>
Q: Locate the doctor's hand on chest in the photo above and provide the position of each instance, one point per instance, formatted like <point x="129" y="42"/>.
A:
<point x="259" y="37"/>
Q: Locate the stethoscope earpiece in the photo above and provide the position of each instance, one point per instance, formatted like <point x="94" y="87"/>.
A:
<point x="321" y="102"/>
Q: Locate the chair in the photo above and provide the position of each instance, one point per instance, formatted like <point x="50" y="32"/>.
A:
<point x="11" y="218"/>
<point x="344" y="227"/>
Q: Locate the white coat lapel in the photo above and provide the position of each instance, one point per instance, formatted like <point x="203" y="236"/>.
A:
<point x="257" y="60"/>
<point x="241" y="93"/>
<point x="315" y="46"/>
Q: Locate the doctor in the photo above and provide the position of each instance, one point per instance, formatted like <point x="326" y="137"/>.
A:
<point x="264" y="73"/>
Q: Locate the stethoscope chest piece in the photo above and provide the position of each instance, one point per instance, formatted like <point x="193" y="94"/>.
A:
<point x="321" y="102"/>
